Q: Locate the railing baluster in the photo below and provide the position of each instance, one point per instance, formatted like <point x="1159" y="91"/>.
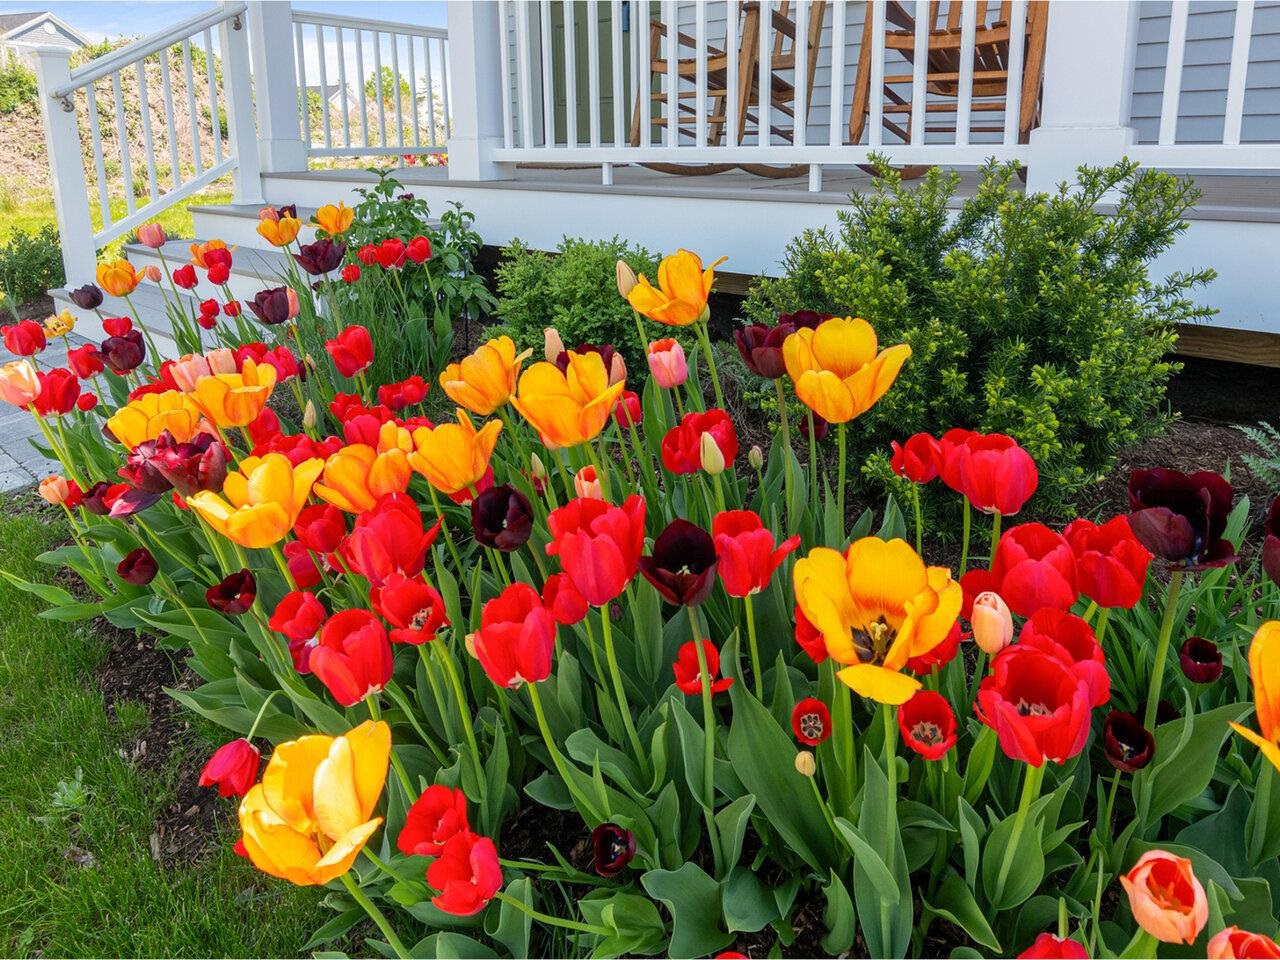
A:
<point x="642" y="29"/>
<point x="800" y="77"/>
<point x="524" y="69"/>
<point x="170" y="121"/>
<point x="324" y="88"/>
<point x="700" y="74"/>
<point x="593" y="72"/>
<point x="431" y="91"/>
<point x="380" y="93"/>
<point x="1013" y="102"/>
<point x="570" y="78"/>
<point x="836" y="118"/>
<point x="764" y="110"/>
<point x="192" y="119"/>
<point x="363" y="97"/>
<point x="968" y="35"/>
<point x="413" y="94"/>
<point x="122" y="133"/>
<point x="669" y="12"/>
<point x="875" y="119"/>
<point x="1172" y="93"/>
<point x="504" y="57"/>
<point x="343" y="89"/>
<point x="920" y="71"/>
<point x="733" y="41"/>
<point x="148" y="144"/>
<point x="398" y="100"/>
<point x="99" y="159"/>
<point x="304" y="98"/>
<point x="215" y="124"/>
<point x="1234" y="119"/>
<point x="445" y="106"/>
<point x="616" y="87"/>
<point x="548" y="79"/>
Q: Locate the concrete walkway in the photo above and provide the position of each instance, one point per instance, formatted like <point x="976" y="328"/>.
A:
<point x="21" y="464"/>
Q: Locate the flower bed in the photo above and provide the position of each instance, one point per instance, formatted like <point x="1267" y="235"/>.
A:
<point x="568" y="672"/>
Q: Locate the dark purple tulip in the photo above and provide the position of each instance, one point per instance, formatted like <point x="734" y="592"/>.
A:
<point x="1182" y="517"/>
<point x="88" y="297"/>
<point x="117" y="499"/>
<point x="1201" y="660"/>
<point x="1166" y="712"/>
<point x="682" y="567"/>
<point x="322" y="256"/>
<point x="1127" y="743"/>
<point x="271" y="306"/>
<point x="804" y="318"/>
<point x="820" y="428"/>
<point x="1271" y="543"/>
<point x="761" y="348"/>
<point x="123" y="353"/>
<point x="606" y="351"/>
<point x="234" y="595"/>
<point x="288" y="210"/>
<point x="502" y="518"/>
<point x="138" y="567"/>
<point x="199" y="464"/>
<point x="612" y="848"/>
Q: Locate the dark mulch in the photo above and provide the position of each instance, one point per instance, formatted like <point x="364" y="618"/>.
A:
<point x="36" y="309"/>
<point x="533" y="828"/>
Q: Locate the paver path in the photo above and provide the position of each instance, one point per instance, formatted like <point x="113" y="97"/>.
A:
<point x="21" y="464"/>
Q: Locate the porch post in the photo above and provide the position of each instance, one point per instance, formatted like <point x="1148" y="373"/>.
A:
<point x="275" y="86"/>
<point x="66" y="166"/>
<point x="1088" y="85"/>
<point x="246" y="182"/>
<point x="475" y="87"/>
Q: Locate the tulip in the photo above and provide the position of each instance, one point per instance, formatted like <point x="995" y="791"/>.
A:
<point x="667" y="364"/>
<point x="562" y="600"/>
<point x="138" y="567"/>
<point x="682" y="567"/>
<point x="123" y="353"/>
<point x="24" y="338"/>
<point x="552" y="345"/>
<point x="59" y="391"/>
<point x="688" y="673"/>
<point x="626" y="278"/>
<point x="236" y="399"/>
<point x="60" y="324"/>
<point x="233" y="768"/>
<point x="682" y="293"/>
<point x="117" y="500"/>
<point x="412" y="606"/>
<point x="407" y="393"/>
<point x="1166" y="898"/>
<point x="59" y="491"/>
<point x="435" y="818"/>
<point x="321" y="527"/>
<point x="1111" y="563"/>
<point x="1069" y="636"/>
<point x="599" y="545"/>
<point x="152" y="414"/>
<point x="88" y="297"/>
<point x="992" y="623"/>
<point x="586" y="483"/>
<point x="390" y="254"/>
<point x="185" y="277"/>
<point x="567" y="408"/>
<point x="299" y="615"/>
<point x="351" y="350"/>
<point x="995" y="474"/>
<point x="1181" y="517"/>
<point x="927" y="724"/>
<point x="19" y="382"/>
<point x="334" y="221"/>
<point x="1127" y="744"/>
<point x="682" y="446"/>
<point x="811" y="721"/>
<point x="1232" y="943"/>
<point x="940" y="655"/>
<point x="761" y="348"/>
<point x="1201" y="660"/>
<point x="502" y="518"/>
<point x="919" y="459"/>
<point x="1037" y="701"/>
<point x="352" y="657"/>
<point x="308" y="819"/>
<point x="808" y="637"/>
<point x="152" y="235"/>
<point x="454" y="456"/>
<point x="1033" y="568"/>
<point x="466" y="873"/>
<point x="806" y="766"/>
<point x="275" y="305"/>
<point x="876" y="606"/>
<point x="118" y="278"/>
<point x="186" y="371"/>
<point x="86" y="402"/>
<point x="1264" y="672"/>
<point x="190" y="467"/>
<point x="278" y="231"/>
<point x="516" y="638"/>
<point x="836" y="370"/>
<point x="612" y="848"/>
<point x="388" y="539"/>
<point x="485" y="379"/>
<point x="84" y="361"/>
<point x="747" y="551"/>
<point x="358" y="476"/>
<point x="234" y="594"/>
<point x="351" y="273"/>
<point x="418" y="249"/>
<point x="627" y="411"/>
<point x="321" y="257"/>
<point x="263" y="499"/>
<point x="1049" y="947"/>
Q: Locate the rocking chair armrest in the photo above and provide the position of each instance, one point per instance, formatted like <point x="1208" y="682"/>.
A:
<point x="897" y="15"/>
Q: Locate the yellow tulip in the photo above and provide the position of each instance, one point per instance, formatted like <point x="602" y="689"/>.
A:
<point x="683" y="289"/>
<point x="1264" y="671"/>
<point x="334" y="221"/>
<point x="153" y="413"/>
<point x="357" y="476"/>
<point x="119" y="278"/>
<point x="877" y="606"/>
<point x="836" y="370"/>
<point x="454" y="456"/>
<point x="263" y="499"/>
<point x="19" y="384"/>
<point x="236" y="399"/>
<point x="60" y="324"/>
<point x="484" y="380"/>
<point x="281" y="232"/>
<point x="568" y="408"/>
<point x="308" y="819"/>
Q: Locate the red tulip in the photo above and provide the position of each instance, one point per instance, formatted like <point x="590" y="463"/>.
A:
<point x="351" y="272"/>
<point x="1050" y="627"/>
<point x="185" y="277"/>
<point x="406" y="393"/>
<point x="996" y="474"/>
<point x="949" y="456"/>
<point x="412" y="606"/>
<point x="299" y="615"/>
<point x="682" y="446"/>
<point x="466" y="873"/>
<point x="25" y="338"/>
<point x="1033" y="568"/>
<point x="84" y="361"/>
<point x="562" y="599"/>
<point x="598" y="544"/>
<point x="1232" y="943"/>
<point x="351" y="350"/>
<point x="353" y="656"/>
<point x="918" y="459"/>
<point x="809" y="638"/>
<point x="138" y="567"/>
<point x="939" y="656"/>
<point x="388" y="539"/>
<point x="1111" y="563"/>
<point x="368" y="254"/>
<point x="86" y="402"/>
<point x="59" y="391"/>
<point x="418" y="250"/>
<point x="390" y="254"/>
<point x="320" y="527"/>
<point x="927" y="724"/>
<point x="747" y="553"/>
<point x="233" y="768"/>
<point x="627" y="411"/>
<point x="517" y="637"/>
<point x="302" y="565"/>
<point x="688" y="672"/>
<point x="436" y="817"/>
<point x="116" y="326"/>
<point x="1049" y="947"/>
<point x="810" y="721"/>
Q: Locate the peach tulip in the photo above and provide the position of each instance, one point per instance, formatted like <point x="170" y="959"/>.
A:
<point x="1166" y="898"/>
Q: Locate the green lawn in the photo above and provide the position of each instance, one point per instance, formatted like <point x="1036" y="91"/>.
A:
<point x="66" y="796"/>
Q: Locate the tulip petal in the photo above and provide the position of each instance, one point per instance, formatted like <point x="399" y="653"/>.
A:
<point x="879" y="684"/>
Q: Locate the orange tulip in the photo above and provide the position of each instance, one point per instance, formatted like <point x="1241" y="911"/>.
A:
<point x="236" y="399"/>
<point x="334" y="221"/>
<point x="485" y="379"/>
<point x="568" y="408"/>
<point x="308" y="819"/>
<point x="199" y="252"/>
<point x="1166" y="898"/>
<point x="263" y="499"/>
<point x="836" y="370"/>
<point x="1264" y="670"/>
<point x="1232" y="943"/>
<point x="454" y="456"/>
<point x="19" y="384"/>
<point x="683" y="289"/>
<point x="277" y="230"/>
<point x="153" y="413"/>
<point x="358" y="475"/>
<point x="119" y="278"/>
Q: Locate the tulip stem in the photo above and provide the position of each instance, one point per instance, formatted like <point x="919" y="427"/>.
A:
<point x="586" y="806"/>
<point x="964" y="551"/>
<point x="549" y="919"/>
<point x="620" y="691"/>
<point x="376" y="915"/>
<point x="891" y="774"/>
<point x="705" y="337"/>
<point x="262" y="712"/>
<point x="841" y="429"/>
<point x="784" y="428"/>
<point x="813" y="466"/>
<point x="1100" y="631"/>
<point x="1030" y="793"/>
<point x="755" y="649"/>
<point x="1162" y="649"/>
<point x="397" y="696"/>
<point x="283" y="566"/>
<point x="995" y="536"/>
<point x="455" y="682"/>
<point x="915" y="503"/>
<point x="709" y="741"/>
<point x="444" y="528"/>
<point x="376" y="714"/>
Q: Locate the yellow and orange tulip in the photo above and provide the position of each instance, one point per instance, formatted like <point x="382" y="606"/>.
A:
<point x="334" y="220"/>
<point x="236" y="399"/>
<point x="682" y="291"/>
<point x="19" y="384"/>
<point x="485" y="379"/>
<point x="313" y="812"/>
<point x="262" y="499"/>
<point x="277" y="230"/>
<point x="1264" y="670"/>
<point x="358" y="475"/>
<point x="877" y="606"/>
<point x="153" y="413"/>
<point x="454" y="456"/>
<point x="836" y="370"/>
<point x="568" y="408"/>
<point x="119" y="278"/>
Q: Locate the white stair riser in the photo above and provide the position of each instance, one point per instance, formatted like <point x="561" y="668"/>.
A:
<point x="235" y="228"/>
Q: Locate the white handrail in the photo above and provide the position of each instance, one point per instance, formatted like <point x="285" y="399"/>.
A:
<point x="360" y="23"/>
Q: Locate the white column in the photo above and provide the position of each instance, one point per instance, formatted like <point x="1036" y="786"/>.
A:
<point x="237" y="86"/>
<point x="1088" y="84"/>
<point x="66" y="166"/>
<point x="275" y="86"/>
<point x="475" y="84"/>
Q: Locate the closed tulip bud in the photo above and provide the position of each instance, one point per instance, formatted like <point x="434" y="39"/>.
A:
<point x="469" y="641"/>
<point x="587" y="484"/>
<point x="755" y="457"/>
<point x="537" y="468"/>
<point x="992" y="623"/>
<point x="151" y="235"/>
<point x="152" y="273"/>
<point x="309" y="416"/>
<point x="552" y="345"/>
<point x="712" y="457"/>
<point x="806" y="766"/>
<point x="626" y="278"/>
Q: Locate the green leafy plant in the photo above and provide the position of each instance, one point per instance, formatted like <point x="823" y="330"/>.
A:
<point x="31" y="264"/>
<point x="17" y="86"/>
<point x="1031" y="315"/>
<point x="1267" y="466"/>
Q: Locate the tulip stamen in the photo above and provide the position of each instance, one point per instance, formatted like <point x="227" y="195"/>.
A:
<point x="1026" y="709"/>
<point x="872" y="642"/>
<point x="928" y="733"/>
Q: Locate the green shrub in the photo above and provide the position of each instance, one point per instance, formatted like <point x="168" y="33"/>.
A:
<point x="1031" y="315"/>
<point x="575" y="291"/>
<point x="17" y="86"/>
<point x="31" y="264"/>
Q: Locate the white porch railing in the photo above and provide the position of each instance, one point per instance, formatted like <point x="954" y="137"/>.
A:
<point x="371" y="87"/>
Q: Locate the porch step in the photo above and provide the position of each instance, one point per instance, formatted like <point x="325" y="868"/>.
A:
<point x="237" y="223"/>
<point x="253" y="267"/>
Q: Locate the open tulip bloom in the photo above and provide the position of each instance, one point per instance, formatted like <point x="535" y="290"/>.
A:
<point x="563" y="657"/>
